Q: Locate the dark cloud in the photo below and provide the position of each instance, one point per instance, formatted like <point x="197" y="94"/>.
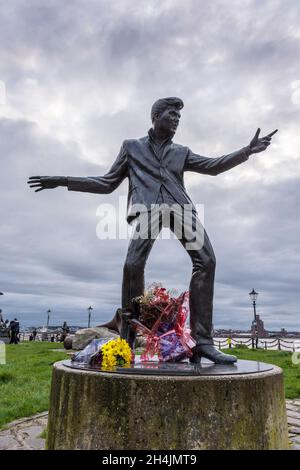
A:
<point x="80" y="78"/>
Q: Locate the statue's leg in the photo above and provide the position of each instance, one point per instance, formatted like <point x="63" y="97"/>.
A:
<point x="139" y="248"/>
<point x="201" y="305"/>
<point x="196" y="242"/>
<point x="202" y="292"/>
<point x="133" y="274"/>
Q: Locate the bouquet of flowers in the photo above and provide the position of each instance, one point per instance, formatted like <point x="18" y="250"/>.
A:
<point x="106" y="353"/>
<point x="161" y="318"/>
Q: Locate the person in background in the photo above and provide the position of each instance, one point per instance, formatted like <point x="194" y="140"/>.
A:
<point x="34" y="333"/>
<point x="17" y="331"/>
<point x="14" y="328"/>
<point x="2" y="322"/>
<point x="65" y="331"/>
<point x="12" y="332"/>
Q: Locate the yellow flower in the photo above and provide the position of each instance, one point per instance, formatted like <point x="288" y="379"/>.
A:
<point x="116" y="352"/>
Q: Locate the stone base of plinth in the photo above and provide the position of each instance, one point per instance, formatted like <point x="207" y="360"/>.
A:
<point x="130" y="411"/>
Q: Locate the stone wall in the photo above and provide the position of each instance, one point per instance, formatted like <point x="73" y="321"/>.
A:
<point x="91" y="410"/>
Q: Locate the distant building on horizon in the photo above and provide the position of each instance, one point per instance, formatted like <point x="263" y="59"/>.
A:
<point x="259" y="328"/>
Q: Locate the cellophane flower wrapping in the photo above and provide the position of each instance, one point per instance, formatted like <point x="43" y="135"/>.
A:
<point x="106" y="353"/>
<point x="84" y="356"/>
<point x="162" y="321"/>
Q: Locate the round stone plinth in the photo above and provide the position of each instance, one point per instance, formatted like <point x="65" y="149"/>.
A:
<point x="130" y="411"/>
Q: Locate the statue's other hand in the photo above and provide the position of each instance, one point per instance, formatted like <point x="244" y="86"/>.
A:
<point x="259" y="144"/>
<point x="46" y="182"/>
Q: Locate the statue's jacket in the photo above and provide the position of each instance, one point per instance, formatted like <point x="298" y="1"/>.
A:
<point x="147" y="173"/>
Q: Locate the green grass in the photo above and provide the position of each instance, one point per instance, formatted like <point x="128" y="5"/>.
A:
<point x="25" y="379"/>
<point x="281" y="359"/>
<point x="43" y="434"/>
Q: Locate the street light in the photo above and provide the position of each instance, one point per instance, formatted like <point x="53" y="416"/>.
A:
<point x="253" y="296"/>
<point x="48" y="317"/>
<point x="90" y="311"/>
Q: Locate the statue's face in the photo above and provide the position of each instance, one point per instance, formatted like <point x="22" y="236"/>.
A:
<point x="168" y="121"/>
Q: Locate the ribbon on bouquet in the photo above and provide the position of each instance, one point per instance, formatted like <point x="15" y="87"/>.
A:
<point x="168" y="337"/>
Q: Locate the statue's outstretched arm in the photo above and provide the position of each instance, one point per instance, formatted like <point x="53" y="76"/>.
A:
<point x="98" y="184"/>
<point x="214" y="166"/>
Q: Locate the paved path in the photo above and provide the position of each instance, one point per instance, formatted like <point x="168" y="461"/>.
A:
<point x="25" y="434"/>
<point x="293" y="414"/>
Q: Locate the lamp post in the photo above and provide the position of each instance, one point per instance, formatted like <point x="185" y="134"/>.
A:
<point x="253" y="296"/>
<point x="48" y="317"/>
<point x="90" y="311"/>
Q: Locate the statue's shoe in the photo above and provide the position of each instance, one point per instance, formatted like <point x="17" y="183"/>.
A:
<point x="212" y="353"/>
<point x="115" y="323"/>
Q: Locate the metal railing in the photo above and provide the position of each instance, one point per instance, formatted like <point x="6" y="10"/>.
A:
<point x="278" y="344"/>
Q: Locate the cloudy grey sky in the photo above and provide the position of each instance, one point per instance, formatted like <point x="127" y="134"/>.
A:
<point x="77" y="78"/>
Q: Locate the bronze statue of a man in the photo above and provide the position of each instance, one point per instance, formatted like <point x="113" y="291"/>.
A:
<point x="155" y="166"/>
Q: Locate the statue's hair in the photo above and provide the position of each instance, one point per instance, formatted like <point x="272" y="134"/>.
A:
<point x="164" y="103"/>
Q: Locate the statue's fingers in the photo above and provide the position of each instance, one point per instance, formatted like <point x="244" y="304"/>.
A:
<point x="272" y="133"/>
<point x="33" y="181"/>
<point x="36" y="185"/>
<point x="37" y="190"/>
<point x="257" y="134"/>
<point x="34" y="177"/>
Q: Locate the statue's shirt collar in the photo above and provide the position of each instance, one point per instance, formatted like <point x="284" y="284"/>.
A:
<point x="159" y="147"/>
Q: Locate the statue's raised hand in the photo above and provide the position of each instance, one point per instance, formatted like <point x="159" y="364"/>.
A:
<point x="259" y="144"/>
<point x="46" y="182"/>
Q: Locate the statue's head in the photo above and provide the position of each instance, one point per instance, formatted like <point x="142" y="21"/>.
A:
<point x="165" y="114"/>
